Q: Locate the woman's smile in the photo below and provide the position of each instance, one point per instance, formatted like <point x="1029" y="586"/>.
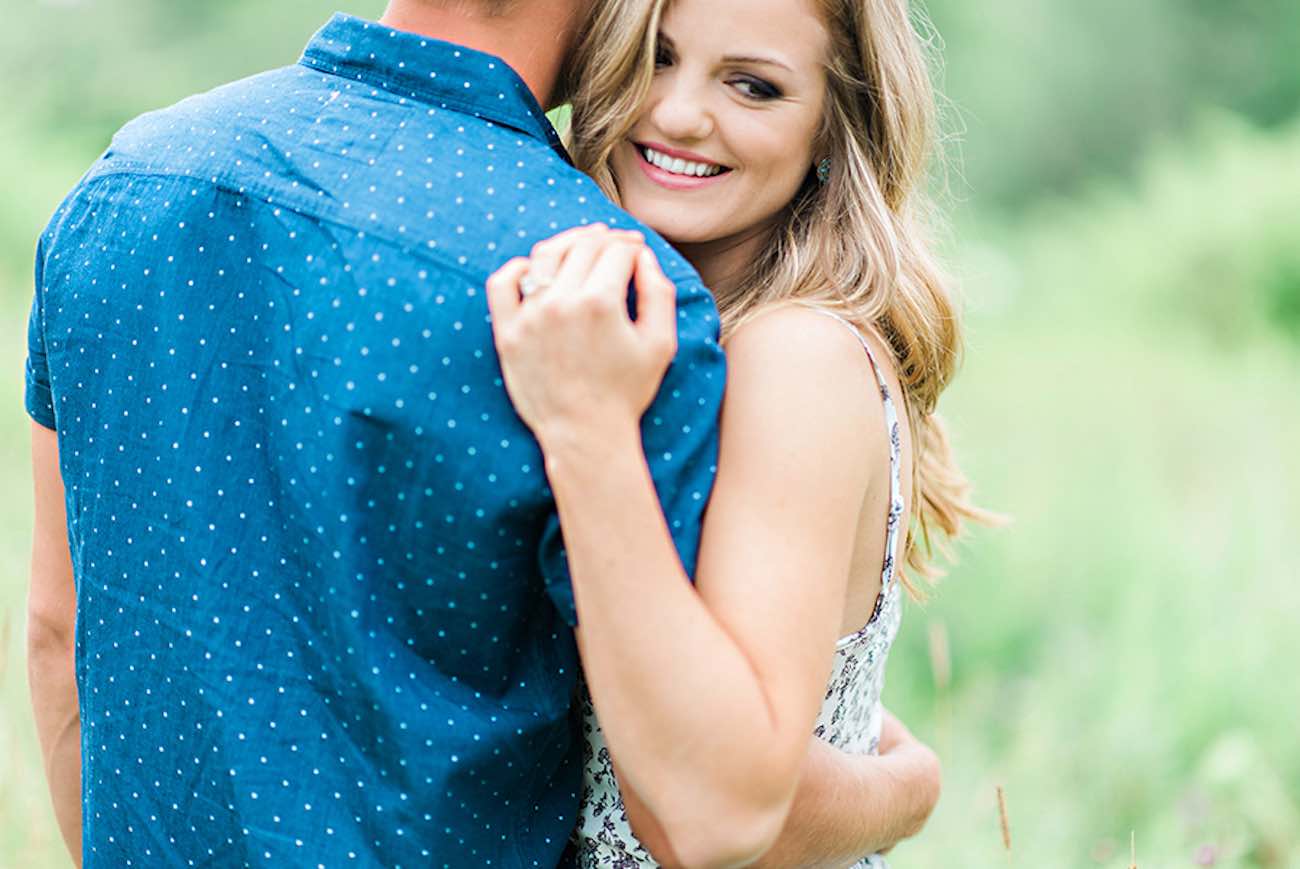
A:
<point x="676" y="169"/>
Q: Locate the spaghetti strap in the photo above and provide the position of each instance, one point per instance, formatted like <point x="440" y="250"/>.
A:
<point x="895" y="520"/>
<point x="857" y="333"/>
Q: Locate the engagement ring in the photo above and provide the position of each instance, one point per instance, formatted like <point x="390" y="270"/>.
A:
<point x="530" y="286"/>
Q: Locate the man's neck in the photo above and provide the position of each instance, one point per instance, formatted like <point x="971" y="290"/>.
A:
<point x="529" y="38"/>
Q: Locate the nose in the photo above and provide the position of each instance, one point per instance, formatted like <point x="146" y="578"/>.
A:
<point x="680" y="110"/>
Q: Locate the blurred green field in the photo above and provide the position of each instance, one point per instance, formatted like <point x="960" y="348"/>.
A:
<point x="1122" y="659"/>
<point x="1124" y="656"/>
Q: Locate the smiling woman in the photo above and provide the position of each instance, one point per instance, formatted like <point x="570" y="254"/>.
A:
<point x="746" y="101"/>
<point x="779" y="145"/>
<point x="814" y="122"/>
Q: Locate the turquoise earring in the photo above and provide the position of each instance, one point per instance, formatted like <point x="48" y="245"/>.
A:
<point x="824" y="171"/>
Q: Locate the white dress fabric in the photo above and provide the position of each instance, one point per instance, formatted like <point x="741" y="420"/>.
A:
<point x="851" y="715"/>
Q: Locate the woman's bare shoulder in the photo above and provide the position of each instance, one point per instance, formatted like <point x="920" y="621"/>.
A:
<point x="794" y="365"/>
<point x="800" y="339"/>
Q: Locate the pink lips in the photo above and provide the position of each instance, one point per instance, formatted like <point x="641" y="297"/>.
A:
<point x="671" y="180"/>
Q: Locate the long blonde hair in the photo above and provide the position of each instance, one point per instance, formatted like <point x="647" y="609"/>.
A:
<point x="856" y="244"/>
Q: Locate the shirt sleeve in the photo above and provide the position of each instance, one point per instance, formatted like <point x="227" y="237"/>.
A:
<point x="39" y="400"/>
<point x="680" y="436"/>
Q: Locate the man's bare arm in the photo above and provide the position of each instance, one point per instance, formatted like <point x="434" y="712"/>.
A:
<point x="849" y="806"/>
<point x="51" y="619"/>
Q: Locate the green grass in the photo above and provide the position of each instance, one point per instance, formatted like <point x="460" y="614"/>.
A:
<point x="1125" y="655"/>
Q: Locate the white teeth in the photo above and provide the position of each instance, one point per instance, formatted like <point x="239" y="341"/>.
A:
<point x="678" y="166"/>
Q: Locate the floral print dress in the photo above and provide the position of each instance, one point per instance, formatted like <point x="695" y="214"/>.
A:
<point x="851" y="715"/>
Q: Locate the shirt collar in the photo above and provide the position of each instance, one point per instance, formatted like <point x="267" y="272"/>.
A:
<point x="429" y="71"/>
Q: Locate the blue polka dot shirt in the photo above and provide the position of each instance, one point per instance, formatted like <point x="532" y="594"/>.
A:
<point x="323" y="613"/>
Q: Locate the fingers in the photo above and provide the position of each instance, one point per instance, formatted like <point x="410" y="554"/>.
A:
<point x="893" y="734"/>
<point x="591" y="262"/>
<point x="547" y="256"/>
<point x="612" y="273"/>
<point x="656" y="302"/>
<point x="578" y="262"/>
<point x="503" y="291"/>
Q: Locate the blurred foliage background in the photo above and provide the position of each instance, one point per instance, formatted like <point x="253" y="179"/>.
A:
<point x="1124" y="192"/>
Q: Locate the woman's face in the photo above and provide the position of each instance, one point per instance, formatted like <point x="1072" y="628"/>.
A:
<point x="725" y="139"/>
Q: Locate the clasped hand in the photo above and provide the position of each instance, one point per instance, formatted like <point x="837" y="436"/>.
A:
<point x="574" y="360"/>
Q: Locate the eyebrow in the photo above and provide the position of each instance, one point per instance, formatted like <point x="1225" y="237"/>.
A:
<point x="733" y="58"/>
<point x="750" y="58"/>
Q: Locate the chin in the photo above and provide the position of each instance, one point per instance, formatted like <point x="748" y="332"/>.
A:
<point x="671" y="227"/>
<point x="679" y="237"/>
<point x="676" y="234"/>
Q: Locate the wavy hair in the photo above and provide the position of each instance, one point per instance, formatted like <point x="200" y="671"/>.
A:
<point x="858" y="244"/>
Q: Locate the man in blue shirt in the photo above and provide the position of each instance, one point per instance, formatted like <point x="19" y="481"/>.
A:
<point x="322" y="611"/>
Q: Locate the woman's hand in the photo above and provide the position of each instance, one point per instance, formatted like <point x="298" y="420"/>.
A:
<point x="574" y="361"/>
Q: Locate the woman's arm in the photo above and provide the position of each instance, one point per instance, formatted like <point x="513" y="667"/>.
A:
<point x="707" y="699"/>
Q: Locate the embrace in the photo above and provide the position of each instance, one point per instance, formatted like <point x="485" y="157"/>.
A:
<point x="389" y="511"/>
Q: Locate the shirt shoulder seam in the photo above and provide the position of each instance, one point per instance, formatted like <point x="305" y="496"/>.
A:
<point x="520" y="123"/>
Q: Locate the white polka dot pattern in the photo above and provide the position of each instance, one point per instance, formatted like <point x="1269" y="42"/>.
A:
<point x="323" y="612"/>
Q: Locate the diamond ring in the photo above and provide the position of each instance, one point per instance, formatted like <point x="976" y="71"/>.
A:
<point x="531" y="286"/>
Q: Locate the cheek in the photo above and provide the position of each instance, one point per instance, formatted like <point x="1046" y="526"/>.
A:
<point x="774" y="141"/>
<point x="778" y="150"/>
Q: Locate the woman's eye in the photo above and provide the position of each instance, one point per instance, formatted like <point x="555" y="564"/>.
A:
<point x="756" y="88"/>
<point x="662" y="58"/>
